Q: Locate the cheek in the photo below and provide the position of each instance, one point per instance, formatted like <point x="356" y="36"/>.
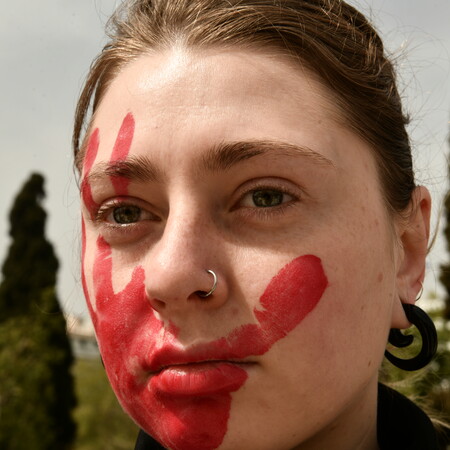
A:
<point x="289" y="297"/>
<point x="353" y="320"/>
<point x="121" y="316"/>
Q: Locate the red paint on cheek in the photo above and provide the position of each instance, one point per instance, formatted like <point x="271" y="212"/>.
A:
<point x="121" y="149"/>
<point x="90" y="204"/>
<point x="131" y="337"/>
<point x="291" y="295"/>
<point x="198" y="423"/>
<point x="83" y="273"/>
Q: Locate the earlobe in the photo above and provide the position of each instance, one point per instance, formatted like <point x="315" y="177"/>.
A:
<point x="413" y="233"/>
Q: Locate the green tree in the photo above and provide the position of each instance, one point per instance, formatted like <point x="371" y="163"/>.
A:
<point x="36" y="384"/>
<point x="31" y="264"/>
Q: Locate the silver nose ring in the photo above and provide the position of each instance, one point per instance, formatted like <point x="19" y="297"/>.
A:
<point x="204" y="294"/>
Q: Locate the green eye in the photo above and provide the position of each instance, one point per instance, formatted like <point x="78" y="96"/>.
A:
<point x="126" y="214"/>
<point x="266" y="198"/>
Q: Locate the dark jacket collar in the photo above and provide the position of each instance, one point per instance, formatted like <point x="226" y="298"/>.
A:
<point x="402" y="424"/>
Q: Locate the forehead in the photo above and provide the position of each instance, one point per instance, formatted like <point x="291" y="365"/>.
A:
<point x="180" y="80"/>
<point x="193" y="73"/>
<point x="184" y="99"/>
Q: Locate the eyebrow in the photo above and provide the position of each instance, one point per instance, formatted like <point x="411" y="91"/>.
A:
<point x="218" y="158"/>
<point x="137" y="168"/>
<point x="226" y="155"/>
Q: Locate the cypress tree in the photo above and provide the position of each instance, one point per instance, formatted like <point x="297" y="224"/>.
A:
<point x="36" y="385"/>
<point x="31" y="264"/>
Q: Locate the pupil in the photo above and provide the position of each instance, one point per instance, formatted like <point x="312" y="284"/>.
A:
<point x="267" y="198"/>
<point x="126" y="214"/>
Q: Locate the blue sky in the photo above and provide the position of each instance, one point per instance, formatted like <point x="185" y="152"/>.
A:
<point x="46" y="48"/>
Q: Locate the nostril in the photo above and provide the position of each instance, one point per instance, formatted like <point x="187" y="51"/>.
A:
<point x="157" y="305"/>
<point x="202" y="294"/>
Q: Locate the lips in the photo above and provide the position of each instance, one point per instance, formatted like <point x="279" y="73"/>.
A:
<point x="206" y="369"/>
<point x="208" y="352"/>
<point x="199" y="379"/>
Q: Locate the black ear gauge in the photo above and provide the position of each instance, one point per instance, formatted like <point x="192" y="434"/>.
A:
<point x="427" y="330"/>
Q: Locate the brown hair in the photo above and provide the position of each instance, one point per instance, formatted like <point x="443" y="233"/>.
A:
<point x="329" y="37"/>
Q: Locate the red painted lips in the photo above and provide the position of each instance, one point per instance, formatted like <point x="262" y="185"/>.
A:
<point x="199" y="379"/>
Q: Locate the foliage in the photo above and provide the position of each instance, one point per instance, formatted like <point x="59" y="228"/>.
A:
<point x="102" y="425"/>
<point x="444" y="276"/>
<point x="31" y="264"/>
<point x="36" y="384"/>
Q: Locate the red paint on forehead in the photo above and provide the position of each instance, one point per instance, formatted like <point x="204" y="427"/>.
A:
<point x="89" y="158"/>
<point x="121" y="150"/>
<point x="91" y="151"/>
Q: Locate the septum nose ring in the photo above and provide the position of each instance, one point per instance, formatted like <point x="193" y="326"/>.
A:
<point x="204" y="294"/>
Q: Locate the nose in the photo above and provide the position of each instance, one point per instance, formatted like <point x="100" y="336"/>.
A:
<point x="183" y="270"/>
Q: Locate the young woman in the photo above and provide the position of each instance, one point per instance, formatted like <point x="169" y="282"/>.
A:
<point x="252" y="230"/>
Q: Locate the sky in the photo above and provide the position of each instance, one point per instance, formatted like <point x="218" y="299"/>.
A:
<point x="46" y="48"/>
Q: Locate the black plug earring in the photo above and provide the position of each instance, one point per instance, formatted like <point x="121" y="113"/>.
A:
<point x="427" y="330"/>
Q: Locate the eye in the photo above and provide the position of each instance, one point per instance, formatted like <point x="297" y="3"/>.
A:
<point x="121" y="213"/>
<point x="126" y="214"/>
<point x="265" y="198"/>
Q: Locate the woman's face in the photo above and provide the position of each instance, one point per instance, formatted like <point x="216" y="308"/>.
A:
<point x="235" y="162"/>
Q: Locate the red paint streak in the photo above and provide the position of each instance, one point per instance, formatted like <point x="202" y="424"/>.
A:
<point x="91" y="151"/>
<point x="89" y="158"/>
<point x="91" y="205"/>
<point x="83" y="274"/>
<point x="121" y="149"/>
<point x="188" y="408"/>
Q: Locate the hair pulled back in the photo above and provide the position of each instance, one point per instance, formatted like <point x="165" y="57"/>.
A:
<point x="329" y="37"/>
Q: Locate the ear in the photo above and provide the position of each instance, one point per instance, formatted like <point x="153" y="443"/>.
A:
<point x="413" y="233"/>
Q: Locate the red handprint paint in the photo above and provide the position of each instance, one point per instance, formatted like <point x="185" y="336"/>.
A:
<point x="182" y="396"/>
<point x="179" y="395"/>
